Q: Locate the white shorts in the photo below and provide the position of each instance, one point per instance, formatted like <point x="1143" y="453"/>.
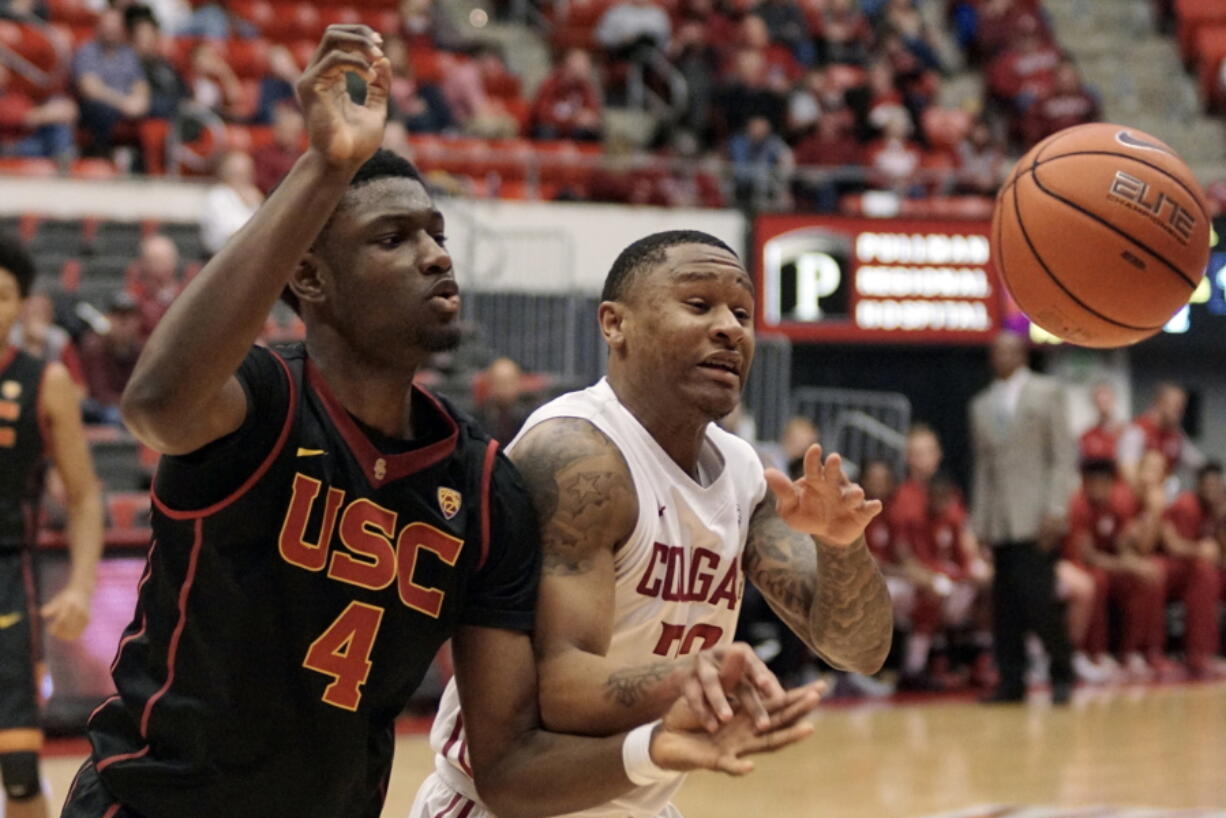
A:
<point x="436" y="799"/>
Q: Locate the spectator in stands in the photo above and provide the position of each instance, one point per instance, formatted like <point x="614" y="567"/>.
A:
<point x="110" y="82"/>
<point x="213" y="83"/>
<point x="37" y="334"/>
<point x="419" y="105"/>
<point x="761" y="163"/>
<point x="506" y="405"/>
<point x="155" y="280"/>
<point x="998" y="23"/>
<point x="426" y="24"/>
<point x="895" y="159"/>
<point x="477" y="113"/>
<point x="568" y="104"/>
<point x="1100" y="441"/>
<point x="982" y="161"/>
<point x="109" y="358"/>
<point x="1103" y="539"/>
<point x="845" y="35"/>
<point x="879" y="99"/>
<point x="24" y="10"/>
<point x="691" y="52"/>
<point x="277" y="84"/>
<point x="1192" y="555"/>
<point x="748" y="94"/>
<point x="902" y="19"/>
<point x="922" y="454"/>
<point x="630" y="25"/>
<point x="1160" y="428"/>
<point x="1021" y="74"/>
<point x="815" y="96"/>
<point x="1023" y="475"/>
<point x="788" y="26"/>
<point x="1069" y="102"/>
<point x="830" y="150"/>
<point x="35" y="129"/>
<point x="951" y="574"/>
<point x="881" y="536"/>
<point x="273" y="161"/>
<point x="230" y="202"/>
<point x="166" y="88"/>
<point x="215" y="20"/>
<point x="782" y="67"/>
<point x="799" y="433"/>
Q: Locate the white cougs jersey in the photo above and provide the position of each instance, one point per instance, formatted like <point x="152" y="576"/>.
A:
<point x="679" y="575"/>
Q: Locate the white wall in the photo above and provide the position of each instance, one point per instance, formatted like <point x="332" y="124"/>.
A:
<point x="526" y="246"/>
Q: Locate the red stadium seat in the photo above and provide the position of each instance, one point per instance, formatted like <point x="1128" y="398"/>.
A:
<point x="93" y="169"/>
<point x="260" y="13"/>
<point x="72" y="12"/>
<point x="1210" y="50"/>
<point x="333" y="15"/>
<point x="385" y="21"/>
<point x="248" y="58"/>
<point x="27" y="167"/>
<point x="127" y="509"/>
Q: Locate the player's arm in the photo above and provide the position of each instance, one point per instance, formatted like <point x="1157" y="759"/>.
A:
<point x="521" y="770"/>
<point x="807" y="556"/>
<point x="587" y="507"/>
<point x="67" y="613"/>
<point x="183" y="392"/>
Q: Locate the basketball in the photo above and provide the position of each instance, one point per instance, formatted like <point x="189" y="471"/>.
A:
<point x="1101" y="234"/>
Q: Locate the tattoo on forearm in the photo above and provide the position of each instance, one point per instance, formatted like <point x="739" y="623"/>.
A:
<point x="832" y="597"/>
<point x="630" y="686"/>
<point x="581" y="486"/>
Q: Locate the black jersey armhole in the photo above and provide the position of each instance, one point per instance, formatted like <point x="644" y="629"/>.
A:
<point x="291" y="410"/>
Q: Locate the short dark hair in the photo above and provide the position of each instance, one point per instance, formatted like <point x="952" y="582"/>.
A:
<point x="15" y="259"/>
<point x="647" y="252"/>
<point x="1098" y="467"/>
<point x="384" y="164"/>
<point x="136" y="14"/>
<point x="1212" y="467"/>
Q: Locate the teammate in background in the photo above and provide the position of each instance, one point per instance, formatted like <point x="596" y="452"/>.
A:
<point x="1159" y="428"/>
<point x="652" y="517"/>
<point x="1104" y="539"/>
<point x="952" y="579"/>
<point x="321" y="526"/>
<point x="40" y="416"/>
<point x="923" y="457"/>
<point x="1192" y="551"/>
<point x="1100" y="441"/>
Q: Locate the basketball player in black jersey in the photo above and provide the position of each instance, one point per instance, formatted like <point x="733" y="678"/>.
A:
<point x="40" y="415"/>
<point x="321" y="526"/>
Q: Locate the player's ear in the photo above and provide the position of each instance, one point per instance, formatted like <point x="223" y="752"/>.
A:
<point x="612" y="316"/>
<point x="306" y="282"/>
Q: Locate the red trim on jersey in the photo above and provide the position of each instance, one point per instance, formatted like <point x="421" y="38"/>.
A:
<point x="454" y="737"/>
<point x="7" y="354"/>
<point x="255" y="475"/>
<point x="144" y="620"/>
<point x="395" y="466"/>
<point x="106" y="762"/>
<point x="462" y="757"/>
<point x="455" y="799"/>
<point x="467" y="809"/>
<point x="487" y="476"/>
<point x="98" y="709"/>
<point x="76" y="779"/>
<point x="173" y="651"/>
<point x="111" y="812"/>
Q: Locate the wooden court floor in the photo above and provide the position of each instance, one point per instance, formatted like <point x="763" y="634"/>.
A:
<point x="1122" y="749"/>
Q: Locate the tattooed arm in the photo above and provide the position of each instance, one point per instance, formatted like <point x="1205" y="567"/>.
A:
<point x="807" y="556"/>
<point x="587" y="506"/>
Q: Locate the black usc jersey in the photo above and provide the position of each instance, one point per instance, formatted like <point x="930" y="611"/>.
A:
<point x="304" y="572"/>
<point x="22" y="447"/>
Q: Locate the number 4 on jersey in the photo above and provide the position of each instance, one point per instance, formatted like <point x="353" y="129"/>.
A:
<point x="343" y="652"/>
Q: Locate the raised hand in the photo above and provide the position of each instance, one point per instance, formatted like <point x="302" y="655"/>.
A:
<point x="680" y="745"/>
<point x="345" y="133"/>
<point x="823" y="502"/>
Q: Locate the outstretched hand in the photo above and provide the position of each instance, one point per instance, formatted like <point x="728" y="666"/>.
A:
<point x="823" y="502"/>
<point x="723" y="677"/>
<point x="344" y="133"/>
<point x="681" y="743"/>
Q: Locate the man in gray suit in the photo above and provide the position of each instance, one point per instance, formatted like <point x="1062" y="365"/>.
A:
<point x="1024" y="472"/>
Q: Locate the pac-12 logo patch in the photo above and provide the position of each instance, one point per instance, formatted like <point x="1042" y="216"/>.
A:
<point x="449" y="502"/>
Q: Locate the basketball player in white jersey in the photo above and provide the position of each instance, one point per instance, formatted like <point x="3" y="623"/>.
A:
<point x="651" y="518"/>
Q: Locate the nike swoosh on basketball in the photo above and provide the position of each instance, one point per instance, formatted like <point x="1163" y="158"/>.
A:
<point x="1125" y="138"/>
<point x="310" y="452"/>
<point x="9" y="620"/>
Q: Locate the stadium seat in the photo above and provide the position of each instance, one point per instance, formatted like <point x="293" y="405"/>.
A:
<point x="117" y="239"/>
<point x="71" y="12"/>
<point x="61" y="236"/>
<point x="93" y="169"/>
<point x="126" y="510"/>
<point x="1190" y="17"/>
<point x="1210" y="51"/>
<point x="27" y="167"/>
<point x="248" y="58"/>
